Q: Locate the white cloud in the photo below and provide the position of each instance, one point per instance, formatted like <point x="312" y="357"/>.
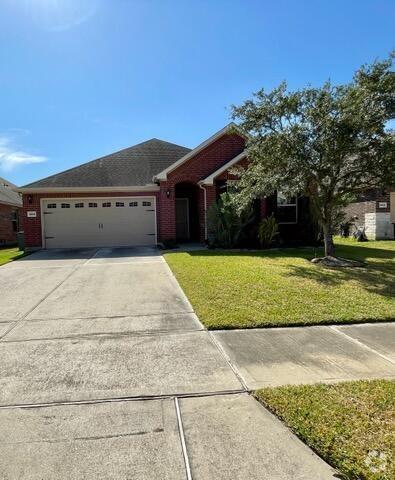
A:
<point x="11" y="157"/>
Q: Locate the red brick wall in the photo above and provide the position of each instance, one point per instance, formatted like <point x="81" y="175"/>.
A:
<point x="196" y="168"/>
<point x="32" y="226"/>
<point x="7" y="234"/>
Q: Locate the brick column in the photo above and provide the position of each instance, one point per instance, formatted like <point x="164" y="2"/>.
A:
<point x="167" y="213"/>
<point x="211" y="196"/>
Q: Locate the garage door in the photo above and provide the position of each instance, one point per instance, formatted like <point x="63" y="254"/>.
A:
<point x="99" y="222"/>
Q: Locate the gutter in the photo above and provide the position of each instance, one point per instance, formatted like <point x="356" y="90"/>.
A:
<point x="140" y="188"/>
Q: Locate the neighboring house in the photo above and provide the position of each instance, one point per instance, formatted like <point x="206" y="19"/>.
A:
<point x="374" y="211"/>
<point x="10" y="212"/>
<point x="152" y="192"/>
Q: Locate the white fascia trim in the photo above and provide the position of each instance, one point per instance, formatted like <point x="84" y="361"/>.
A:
<point x="210" y="179"/>
<point x="141" y="188"/>
<point x="163" y="174"/>
<point x="11" y="204"/>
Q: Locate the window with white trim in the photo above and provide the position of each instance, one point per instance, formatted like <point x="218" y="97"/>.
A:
<point x="106" y="204"/>
<point x="133" y="204"/>
<point x="65" y="205"/>
<point x="119" y="204"/>
<point x="79" y="205"/>
<point x="92" y="205"/>
<point x="51" y="205"/>
<point x="287" y="209"/>
<point x="146" y="204"/>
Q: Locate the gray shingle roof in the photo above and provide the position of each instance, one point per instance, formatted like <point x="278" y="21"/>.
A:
<point x="133" y="166"/>
<point x="7" y="195"/>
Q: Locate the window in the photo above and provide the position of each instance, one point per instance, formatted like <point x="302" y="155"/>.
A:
<point x="106" y="204"/>
<point x="15" y="221"/>
<point x="146" y="204"/>
<point x="79" y="205"/>
<point x="65" y="205"/>
<point x="119" y="204"/>
<point x="133" y="204"/>
<point x="92" y="205"/>
<point x="51" y="205"/>
<point x="287" y="209"/>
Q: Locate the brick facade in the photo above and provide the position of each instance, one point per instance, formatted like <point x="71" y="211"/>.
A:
<point x="370" y="213"/>
<point x="195" y="169"/>
<point x="183" y="179"/>
<point x="8" y="226"/>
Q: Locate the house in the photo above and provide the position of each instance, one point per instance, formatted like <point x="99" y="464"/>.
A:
<point x="10" y="212"/>
<point x="152" y="192"/>
<point x="374" y="211"/>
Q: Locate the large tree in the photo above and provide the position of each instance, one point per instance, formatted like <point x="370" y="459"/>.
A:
<point x="329" y="143"/>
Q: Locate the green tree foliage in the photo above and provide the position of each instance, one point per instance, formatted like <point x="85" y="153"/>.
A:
<point x="329" y="143"/>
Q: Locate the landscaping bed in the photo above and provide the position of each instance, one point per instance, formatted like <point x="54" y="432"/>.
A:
<point x="231" y="289"/>
<point x="350" y="425"/>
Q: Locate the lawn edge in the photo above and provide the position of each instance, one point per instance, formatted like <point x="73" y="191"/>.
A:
<point x="324" y="323"/>
<point x="338" y="473"/>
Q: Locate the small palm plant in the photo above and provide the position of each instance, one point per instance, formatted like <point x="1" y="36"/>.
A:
<point x="267" y="231"/>
<point x="226" y="224"/>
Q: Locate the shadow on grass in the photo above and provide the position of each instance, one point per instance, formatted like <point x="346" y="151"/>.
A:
<point x="377" y="277"/>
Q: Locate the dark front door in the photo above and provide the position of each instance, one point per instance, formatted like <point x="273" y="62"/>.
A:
<point x="182" y="218"/>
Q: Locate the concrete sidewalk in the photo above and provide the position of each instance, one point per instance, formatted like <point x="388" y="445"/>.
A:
<point x="302" y="355"/>
<point x="107" y="373"/>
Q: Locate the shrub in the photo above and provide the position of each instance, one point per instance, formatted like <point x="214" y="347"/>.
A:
<point x="267" y="231"/>
<point x="225" y="224"/>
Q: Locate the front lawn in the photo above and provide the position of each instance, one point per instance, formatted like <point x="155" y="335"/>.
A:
<point x="350" y="425"/>
<point x="230" y="289"/>
<point x="9" y="254"/>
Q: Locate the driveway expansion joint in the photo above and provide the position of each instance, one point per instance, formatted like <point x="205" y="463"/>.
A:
<point x="25" y="315"/>
<point x="182" y="440"/>
<point x="109" y="335"/>
<point x="137" y="398"/>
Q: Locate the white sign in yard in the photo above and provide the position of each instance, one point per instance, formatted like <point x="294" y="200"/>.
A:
<point x="32" y="214"/>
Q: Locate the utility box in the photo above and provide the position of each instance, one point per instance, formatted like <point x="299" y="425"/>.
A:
<point x="21" y="241"/>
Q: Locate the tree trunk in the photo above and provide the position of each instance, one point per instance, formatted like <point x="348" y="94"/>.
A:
<point x="328" y="241"/>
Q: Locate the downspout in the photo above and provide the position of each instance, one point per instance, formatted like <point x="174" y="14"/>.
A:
<point x="205" y="210"/>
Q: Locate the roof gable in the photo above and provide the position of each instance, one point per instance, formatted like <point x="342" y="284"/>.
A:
<point x="230" y="128"/>
<point x="234" y="161"/>
<point x="7" y="195"/>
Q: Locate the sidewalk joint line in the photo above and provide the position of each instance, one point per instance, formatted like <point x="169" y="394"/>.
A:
<point x="228" y="361"/>
<point x="361" y="344"/>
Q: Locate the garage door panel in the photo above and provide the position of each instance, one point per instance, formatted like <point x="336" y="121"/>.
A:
<point x="99" y="225"/>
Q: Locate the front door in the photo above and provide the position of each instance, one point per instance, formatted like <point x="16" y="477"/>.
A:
<point x="182" y="218"/>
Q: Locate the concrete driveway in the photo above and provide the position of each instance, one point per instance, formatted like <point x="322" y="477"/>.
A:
<point x="106" y="373"/>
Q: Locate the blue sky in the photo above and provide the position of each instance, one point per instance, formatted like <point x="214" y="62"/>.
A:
<point x="83" y="78"/>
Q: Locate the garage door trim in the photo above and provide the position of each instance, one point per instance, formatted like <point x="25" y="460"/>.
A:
<point x="56" y="199"/>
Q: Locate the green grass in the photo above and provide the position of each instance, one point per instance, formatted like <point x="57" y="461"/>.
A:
<point x="350" y="425"/>
<point x="230" y="289"/>
<point x="9" y="254"/>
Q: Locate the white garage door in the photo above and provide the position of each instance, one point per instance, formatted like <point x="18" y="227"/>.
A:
<point x="99" y="222"/>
